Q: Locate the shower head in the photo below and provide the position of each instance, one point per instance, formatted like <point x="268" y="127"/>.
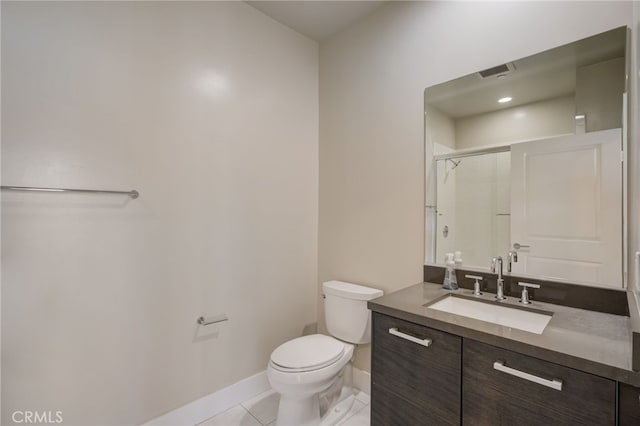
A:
<point x="455" y="163"/>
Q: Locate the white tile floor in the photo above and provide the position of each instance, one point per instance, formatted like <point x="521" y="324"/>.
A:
<point x="262" y="411"/>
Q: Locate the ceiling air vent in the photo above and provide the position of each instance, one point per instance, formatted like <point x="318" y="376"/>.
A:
<point x="496" y="71"/>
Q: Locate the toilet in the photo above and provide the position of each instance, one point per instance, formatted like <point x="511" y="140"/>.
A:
<point x="302" y="369"/>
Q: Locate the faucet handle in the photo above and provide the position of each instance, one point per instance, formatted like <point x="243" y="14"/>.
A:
<point x="525" y="285"/>
<point x="476" y="285"/>
<point x="525" y="293"/>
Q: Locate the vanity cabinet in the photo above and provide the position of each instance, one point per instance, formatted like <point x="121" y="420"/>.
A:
<point x="415" y="374"/>
<point x="629" y="405"/>
<point x="422" y="376"/>
<point x="502" y="387"/>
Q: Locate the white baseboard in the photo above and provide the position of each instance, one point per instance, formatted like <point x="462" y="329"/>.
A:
<point x="208" y="406"/>
<point x="362" y="380"/>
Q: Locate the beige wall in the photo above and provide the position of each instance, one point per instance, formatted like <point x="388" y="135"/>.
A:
<point x="538" y="120"/>
<point x="440" y="128"/>
<point x="210" y="110"/>
<point x="372" y="79"/>
<point x="599" y="89"/>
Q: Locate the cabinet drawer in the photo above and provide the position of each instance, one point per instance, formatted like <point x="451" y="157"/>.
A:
<point x="425" y="376"/>
<point x="388" y="409"/>
<point x="629" y="400"/>
<point x="494" y="397"/>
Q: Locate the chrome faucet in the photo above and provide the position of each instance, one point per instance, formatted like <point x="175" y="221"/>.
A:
<point x="496" y="264"/>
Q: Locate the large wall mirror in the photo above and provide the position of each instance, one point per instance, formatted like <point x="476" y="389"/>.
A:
<point x="524" y="161"/>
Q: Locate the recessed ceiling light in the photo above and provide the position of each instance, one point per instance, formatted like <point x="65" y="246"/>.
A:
<point x="505" y="99"/>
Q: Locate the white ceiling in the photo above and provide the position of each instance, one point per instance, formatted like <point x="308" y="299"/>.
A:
<point x="317" y="20"/>
<point x="545" y="75"/>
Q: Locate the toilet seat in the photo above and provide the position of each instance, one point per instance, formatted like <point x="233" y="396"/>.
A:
<point x="307" y="353"/>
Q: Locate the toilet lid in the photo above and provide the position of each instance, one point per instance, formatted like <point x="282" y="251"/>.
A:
<point x="308" y="352"/>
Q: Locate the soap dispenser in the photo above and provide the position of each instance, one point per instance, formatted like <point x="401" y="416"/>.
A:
<point x="450" y="280"/>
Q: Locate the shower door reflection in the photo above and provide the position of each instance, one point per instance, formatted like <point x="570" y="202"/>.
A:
<point x="473" y="207"/>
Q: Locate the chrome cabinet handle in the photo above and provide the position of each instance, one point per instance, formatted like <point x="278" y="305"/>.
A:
<point x="553" y="384"/>
<point x="423" y="342"/>
<point x="518" y="246"/>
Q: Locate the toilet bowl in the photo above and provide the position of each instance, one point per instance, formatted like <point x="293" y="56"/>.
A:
<point x="300" y="375"/>
<point x="301" y="369"/>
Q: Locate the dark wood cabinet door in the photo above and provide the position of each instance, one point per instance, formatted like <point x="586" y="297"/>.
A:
<point x="493" y="397"/>
<point x="388" y="409"/>
<point x="629" y="405"/>
<point x="427" y="377"/>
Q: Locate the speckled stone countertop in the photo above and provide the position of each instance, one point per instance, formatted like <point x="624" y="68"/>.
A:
<point x="594" y="342"/>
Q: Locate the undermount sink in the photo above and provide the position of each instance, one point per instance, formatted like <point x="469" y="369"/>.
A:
<point x="489" y="311"/>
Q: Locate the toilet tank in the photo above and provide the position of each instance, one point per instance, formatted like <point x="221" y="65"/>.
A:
<point x="345" y="310"/>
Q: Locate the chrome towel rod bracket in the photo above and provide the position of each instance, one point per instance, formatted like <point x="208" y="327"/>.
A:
<point x="133" y="193"/>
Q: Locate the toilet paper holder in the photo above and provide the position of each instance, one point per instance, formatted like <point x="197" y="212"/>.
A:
<point x="212" y="320"/>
